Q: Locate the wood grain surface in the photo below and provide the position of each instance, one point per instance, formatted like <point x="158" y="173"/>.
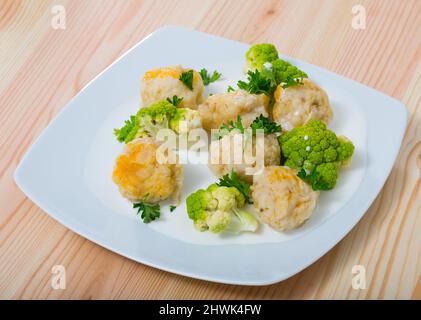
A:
<point x="41" y="69"/>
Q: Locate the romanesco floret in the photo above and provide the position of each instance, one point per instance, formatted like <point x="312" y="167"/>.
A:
<point x="160" y="115"/>
<point x="155" y="117"/>
<point x="317" y="153"/>
<point x="287" y="74"/>
<point x="185" y="120"/>
<point x="264" y="59"/>
<point x="259" y="54"/>
<point x="218" y="208"/>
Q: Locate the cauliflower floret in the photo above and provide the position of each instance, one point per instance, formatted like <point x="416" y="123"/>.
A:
<point x="260" y="54"/>
<point x="218" y="209"/>
<point x="317" y="152"/>
<point x="283" y="200"/>
<point x="139" y="176"/>
<point x="271" y="153"/>
<point x="296" y="105"/>
<point x="222" y="108"/>
<point x="160" y="84"/>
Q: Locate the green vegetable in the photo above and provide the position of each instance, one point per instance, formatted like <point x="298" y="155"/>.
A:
<point x="286" y="74"/>
<point x="317" y="153"/>
<point x="219" y="209"/>
<point x="261" y="122"/>
<point x="230" y="89"/>
<point x="128" y="131"/>
<point x="190" y="117"/>
<point x="160" y="115"/>
<point x="233" y="180"/>
<point x="187" y="79"/>
<point x="265" y="124"/>
<point x="225" y="128"/>
<point x="259" y="54"/>
<point x="258" y="82"/>
<point x="148" y="212"/>
<point x="207" y="78"/>
<point x="172" y="208"/>
<point x="264" y="58"/>
<point x="175" y="100"/>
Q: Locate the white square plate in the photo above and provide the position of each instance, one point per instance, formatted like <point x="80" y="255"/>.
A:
<point x="67" y="172"/>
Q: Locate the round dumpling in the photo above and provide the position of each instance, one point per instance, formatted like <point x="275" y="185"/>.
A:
<point x="283" y="200"/>
<point x="271" y="153"/>
<point x="296" y="105"/>
<point x="222" y="108"/>
<point x="140" y="176"/>
<point x="160" y="84"/>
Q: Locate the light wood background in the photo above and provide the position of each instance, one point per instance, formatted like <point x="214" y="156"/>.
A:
<point x="41" y="69"/>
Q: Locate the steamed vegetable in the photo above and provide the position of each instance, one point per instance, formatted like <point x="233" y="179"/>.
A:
<point x="317" y="153"/>
<point x="259" y="54"/>
<point x="161" y="115"/>
<point x="220" y="209"/>
<point x="265" y="71"/>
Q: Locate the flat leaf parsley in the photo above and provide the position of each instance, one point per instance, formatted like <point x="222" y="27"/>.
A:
<point x="207" y="78"/>
<point x="187" y="79"/>
<point x="234" y="181"/>
<point x="148" y="211"/>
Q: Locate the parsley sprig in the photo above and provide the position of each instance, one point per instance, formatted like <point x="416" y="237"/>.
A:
<point x="262" y="122"/>
<point x="187" y="79"/>
<point x="258" y="83"/>
<point x="230" y="89"/>
<point x="128" y="131"/>
<point x="175" y="100"/>
<point x="209" y="78"/>
<point x="225" y="128"/>
<point x="313" y="179"/>
<point x="232" y="180"/>
<point x="148" y="211"/>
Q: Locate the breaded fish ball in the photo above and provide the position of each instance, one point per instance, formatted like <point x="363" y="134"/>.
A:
<point x="160" y="84"/>
<point x="138" y="173"/>
<point x="271" y="154"/>
<point x="296" y="105"/>
<point x="283" y="200"/>
<point x="221" y="108"/>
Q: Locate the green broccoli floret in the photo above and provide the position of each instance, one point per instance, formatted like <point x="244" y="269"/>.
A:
<point x="160" y="115"/>
<point x="260" y="54"/>
<point x="218" y="208"/>
<point x="317" y="153"/>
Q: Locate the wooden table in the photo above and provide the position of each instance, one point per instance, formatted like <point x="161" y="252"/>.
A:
<point x="42" y="68"/>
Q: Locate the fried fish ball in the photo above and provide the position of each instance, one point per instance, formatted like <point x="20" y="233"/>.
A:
<point x="160" y="84"/>
<point x="140" y="176"/>
<point x="296" y="105"/>
<point x="271" y="154"/>
<point x="221" y="108"/>
<point x="282" y="199"/>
